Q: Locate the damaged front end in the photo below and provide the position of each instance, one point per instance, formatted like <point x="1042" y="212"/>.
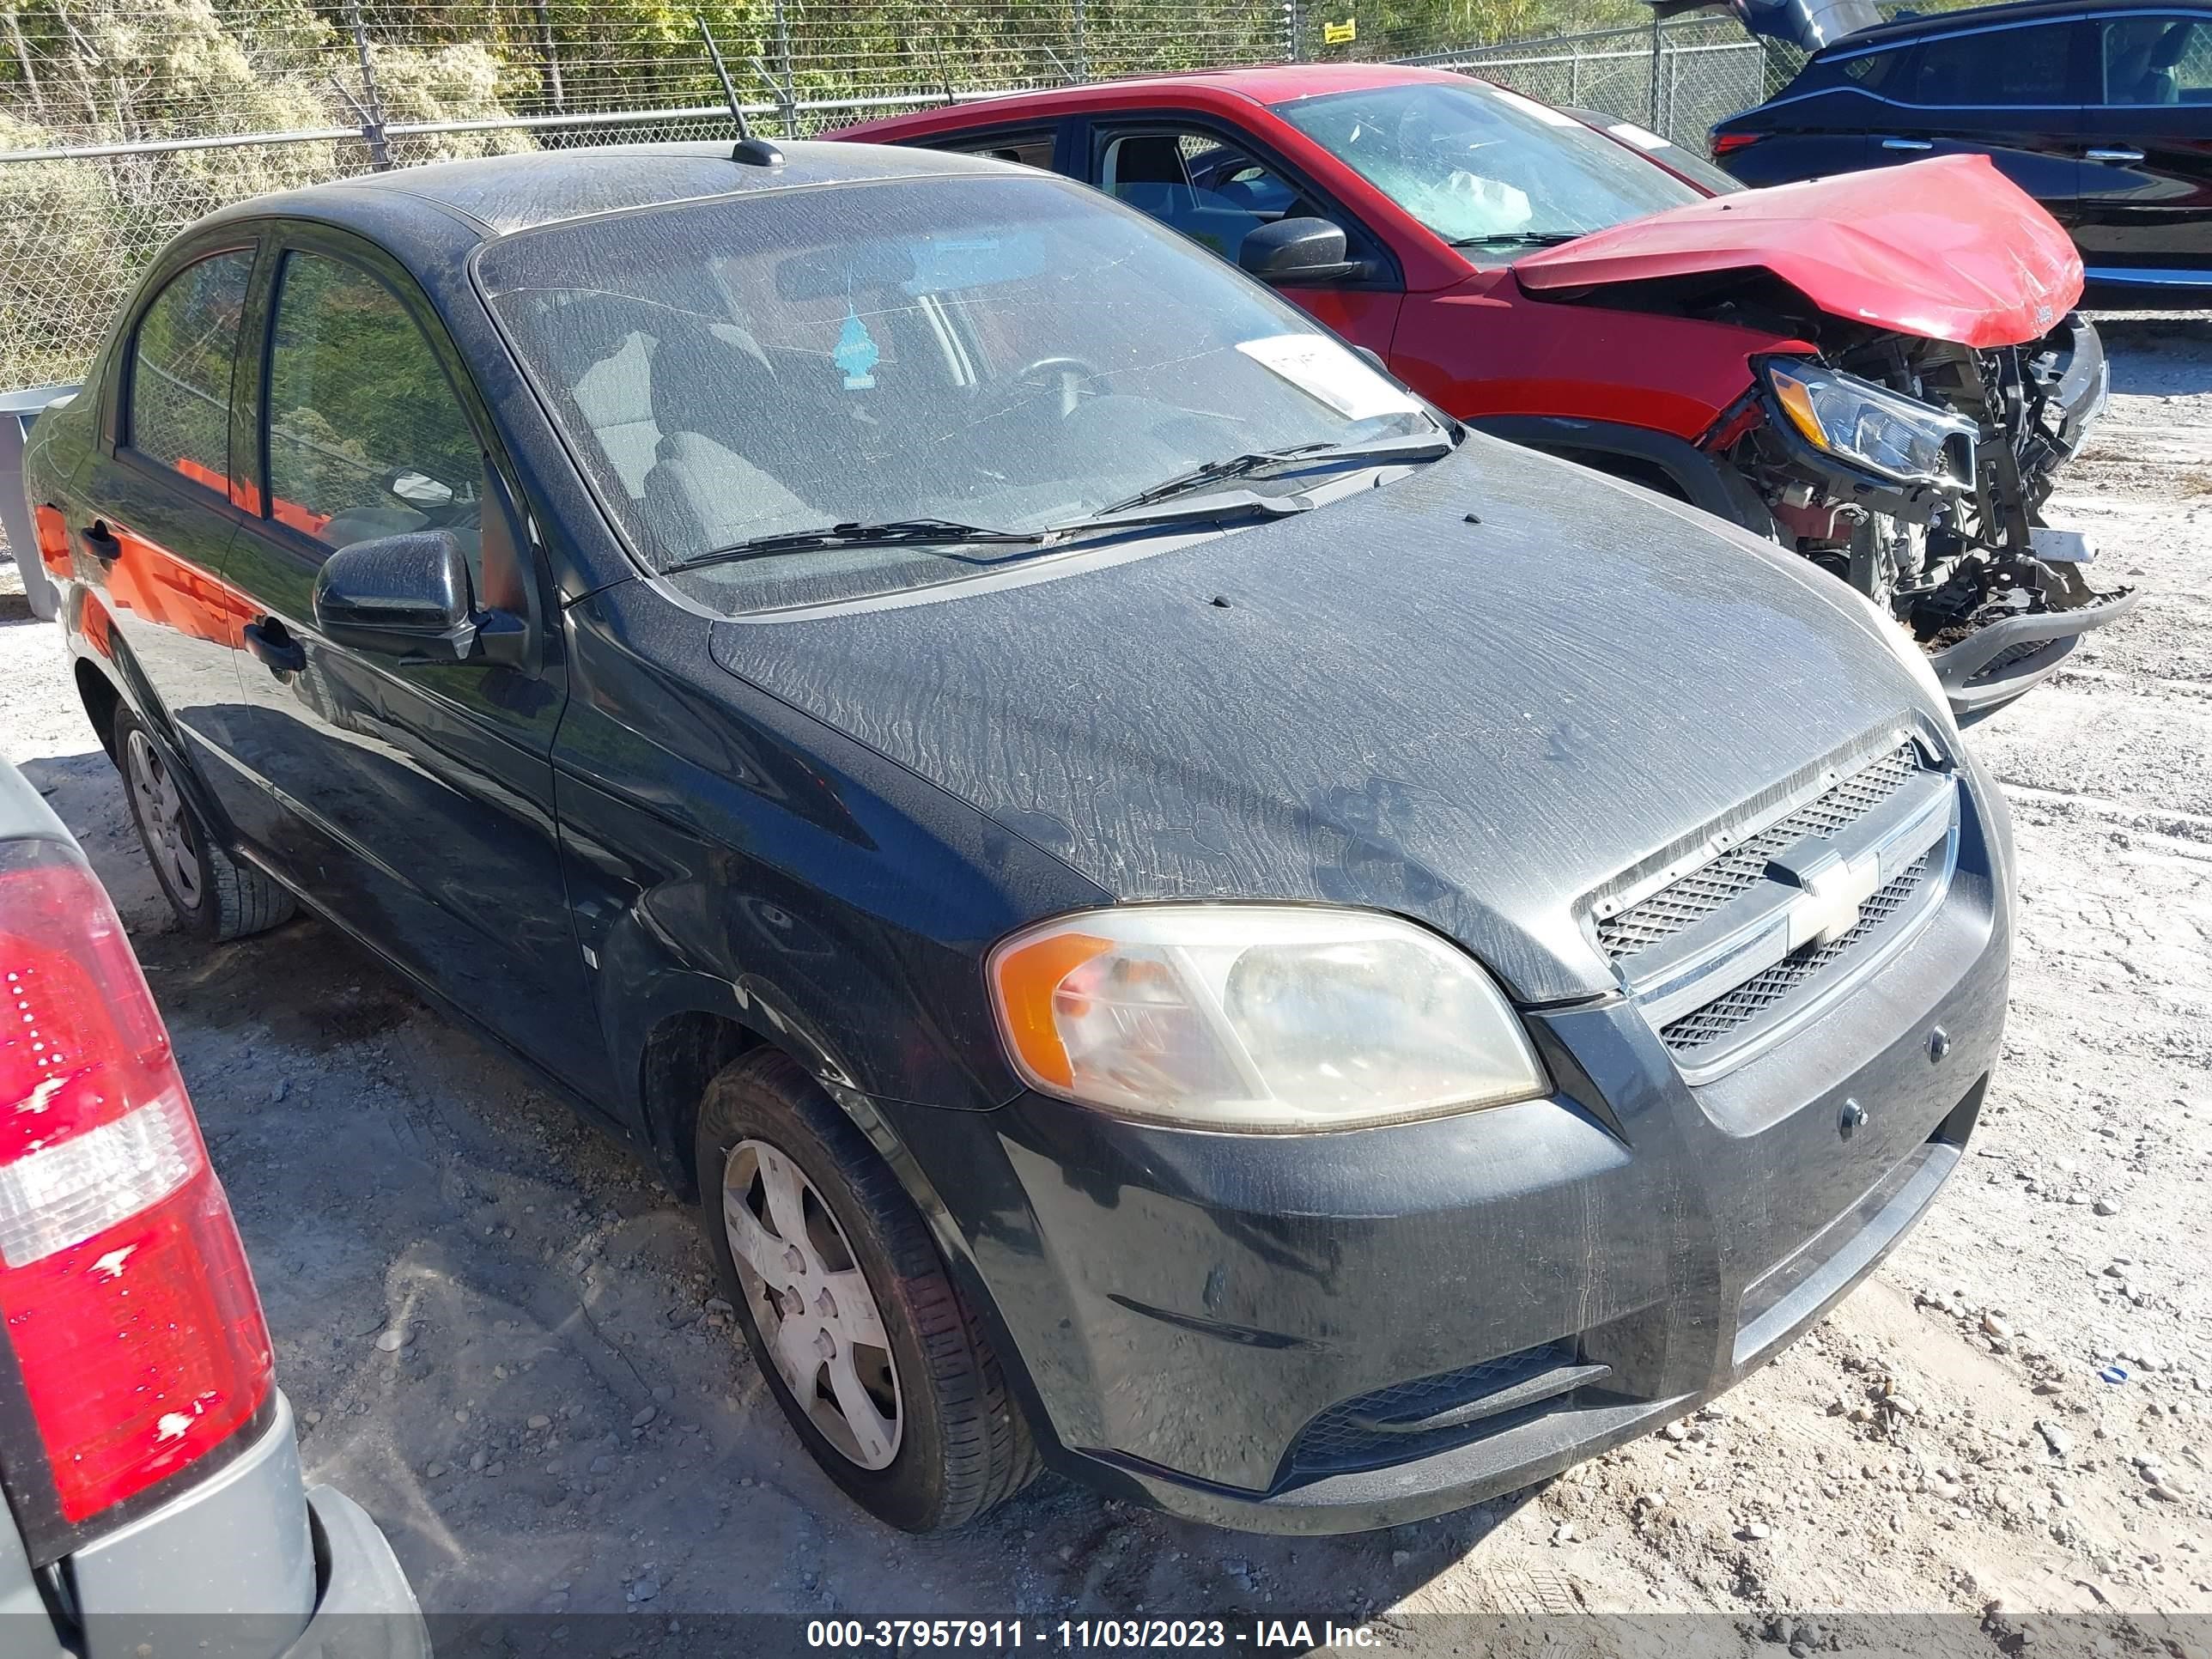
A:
<point x="1917" y="470"/>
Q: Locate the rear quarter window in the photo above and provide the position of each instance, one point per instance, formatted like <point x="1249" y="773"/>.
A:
<point x="1867" y="71"/>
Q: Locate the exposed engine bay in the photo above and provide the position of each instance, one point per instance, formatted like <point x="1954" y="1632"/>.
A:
<point x="1916" y="471"/>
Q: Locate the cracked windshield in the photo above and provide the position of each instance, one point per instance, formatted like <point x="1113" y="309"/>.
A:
<point x="793" y="400"/>
<point x="1483" y="167"/>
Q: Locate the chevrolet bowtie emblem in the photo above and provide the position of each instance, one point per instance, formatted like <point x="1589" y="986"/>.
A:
<point x="1827" y="904"/>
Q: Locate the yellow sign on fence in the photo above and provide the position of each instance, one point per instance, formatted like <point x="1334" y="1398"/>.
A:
<point x="1340" y="35"/>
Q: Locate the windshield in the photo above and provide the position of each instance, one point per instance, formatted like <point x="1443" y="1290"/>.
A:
<point x="1670" y="154"/>
<point x="1484" y="168"/>
<point x="888" y="363"/>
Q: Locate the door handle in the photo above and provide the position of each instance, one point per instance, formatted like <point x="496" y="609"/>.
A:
<point x="274" y="648"/>
<point x="100" y="542"/>
<point x="2115" y="154"/>
<point x="1907" y="143"/>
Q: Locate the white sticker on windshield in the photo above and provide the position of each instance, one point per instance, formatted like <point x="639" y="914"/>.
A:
<point x="1329" y="374"/>
<point x="1641" y="138"/>
<point x="1543" y="113"/>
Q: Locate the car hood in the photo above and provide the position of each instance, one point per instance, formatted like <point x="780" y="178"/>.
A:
<point x="1949" y="249"/>
<point x="1379" y="701"/>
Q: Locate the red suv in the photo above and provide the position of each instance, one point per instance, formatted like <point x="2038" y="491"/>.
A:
<point x="1880" y="372"/>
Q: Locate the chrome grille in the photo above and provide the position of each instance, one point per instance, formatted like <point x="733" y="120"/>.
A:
<point x="1792" y="974"/>
<point x="1697" y="895"/>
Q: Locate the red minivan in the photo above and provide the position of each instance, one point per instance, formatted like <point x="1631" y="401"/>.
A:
<point x="1882" y="372"/>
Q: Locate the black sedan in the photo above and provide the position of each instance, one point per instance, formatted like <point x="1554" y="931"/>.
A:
<point x="1178" y="913"/>
<point x="2102" y="112"/>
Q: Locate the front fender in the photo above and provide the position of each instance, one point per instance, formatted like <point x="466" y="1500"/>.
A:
<point x="727" y="856"/>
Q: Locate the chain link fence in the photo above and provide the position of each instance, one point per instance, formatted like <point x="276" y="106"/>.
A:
<point x="120" y="126"/>
<point x="1678" y="79"/>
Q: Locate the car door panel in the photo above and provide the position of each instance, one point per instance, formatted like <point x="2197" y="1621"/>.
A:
<point x="1367" y="317"/>
<point x="149" y="526"/>
<point x="2033" y="148"/>
<point x="2147" y="150"/>
<point x="1946" y="95"/>
<point x="411" y="799"/>
<point x="156" y="554"/>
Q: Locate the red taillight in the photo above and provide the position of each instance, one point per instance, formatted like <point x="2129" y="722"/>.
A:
<point x="125" y="1288"/>
<point x="1727" y="143"/>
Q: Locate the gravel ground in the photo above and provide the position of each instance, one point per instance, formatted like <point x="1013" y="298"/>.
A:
<point x="564" y="1419"/>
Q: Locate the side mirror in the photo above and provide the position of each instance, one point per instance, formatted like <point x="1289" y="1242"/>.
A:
<point x="1291" y="251"/>
<point x="409" y="596"/>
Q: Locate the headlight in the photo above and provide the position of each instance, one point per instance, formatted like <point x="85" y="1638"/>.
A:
<point x="1871" y="426"/>
<point x="1265" y="1017"/>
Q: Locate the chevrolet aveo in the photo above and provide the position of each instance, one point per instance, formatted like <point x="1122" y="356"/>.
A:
<point x="1181" y="915"/>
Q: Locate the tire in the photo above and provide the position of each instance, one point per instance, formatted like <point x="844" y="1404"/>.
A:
<point x="216" y="898"/>
<point x="957" y="1443"/>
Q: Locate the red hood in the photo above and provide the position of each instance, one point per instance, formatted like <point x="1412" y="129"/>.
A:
<point x="1948" y="248"/>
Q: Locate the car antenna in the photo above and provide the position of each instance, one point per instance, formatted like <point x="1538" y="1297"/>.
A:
<point x="751" y="151"/>
<point x="943" y="79"/>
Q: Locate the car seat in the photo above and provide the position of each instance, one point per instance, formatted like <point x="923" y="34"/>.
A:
<point x="2145" y="74"/>
<point x="717" y="408"/>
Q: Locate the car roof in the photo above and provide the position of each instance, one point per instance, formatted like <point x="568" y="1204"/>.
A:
<point x="2014" y="11"/>
<point x="499" y="194"/>
<point x="1266" y="84"/>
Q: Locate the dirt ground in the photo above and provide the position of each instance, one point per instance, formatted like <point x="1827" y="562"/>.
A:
<point x="570" y="1424"/>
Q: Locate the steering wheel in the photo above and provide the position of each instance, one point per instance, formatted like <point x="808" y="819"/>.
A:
<point x="1072" y="374"/>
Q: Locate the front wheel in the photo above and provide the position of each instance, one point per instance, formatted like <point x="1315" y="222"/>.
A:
<point x="879" y="1362"/>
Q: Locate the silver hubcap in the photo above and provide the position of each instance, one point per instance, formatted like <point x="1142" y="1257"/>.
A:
<point x="813" y="1307"/>
<point x="162" y="814"/>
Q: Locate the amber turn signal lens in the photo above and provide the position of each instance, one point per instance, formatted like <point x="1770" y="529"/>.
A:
<point x="1797" y="403"/>
<point x="1027" y="979"/>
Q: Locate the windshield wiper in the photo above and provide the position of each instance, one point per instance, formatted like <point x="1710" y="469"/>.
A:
<point x="1415" y="445"/>
<point x="1143" y="508"/>
<point x="1236" y="466"/>
<point x="893" y="532"/>
<point x="1523" y="239"/>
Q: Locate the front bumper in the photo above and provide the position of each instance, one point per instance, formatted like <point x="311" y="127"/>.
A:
<point x="1211" y="1322"/>
<point x="2004" y="660"/>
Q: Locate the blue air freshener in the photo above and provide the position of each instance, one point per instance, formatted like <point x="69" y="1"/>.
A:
<point x="856" y="353"/>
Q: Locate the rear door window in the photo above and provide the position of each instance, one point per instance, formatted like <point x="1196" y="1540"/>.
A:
<point x="1959" y="71"/>
<point x="179" y="410"/>
<point x="2155" y="60"/>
